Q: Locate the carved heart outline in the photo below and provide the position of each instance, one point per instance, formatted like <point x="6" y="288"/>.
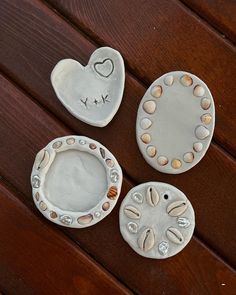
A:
<point x="97" y="64"/>
<point x="69" y="94"/>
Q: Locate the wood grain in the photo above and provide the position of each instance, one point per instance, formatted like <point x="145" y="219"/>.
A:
<point x="25" y="128"/>
<point x="159" y="37"/>
<point x="29" y="57"/>
<point x="220" y="14"/>
<point x="35" y="258"/>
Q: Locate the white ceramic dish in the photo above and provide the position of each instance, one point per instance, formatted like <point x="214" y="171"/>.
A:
<point x="156" y="220"/>
<point x="175" y="122"/>
<point x="75" y="181"/>
<point x="91" y="93"/>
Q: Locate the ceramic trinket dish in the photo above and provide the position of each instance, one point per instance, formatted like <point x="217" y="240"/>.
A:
<point x="175" y="122"/>
<point x="75" y="181"/>
<point x="156" y="220"/>
<point x="91" y="93"/>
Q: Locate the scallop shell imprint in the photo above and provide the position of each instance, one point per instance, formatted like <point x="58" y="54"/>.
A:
<point x="156" y="219"/>
<point x="91" y="93"/>
<point x="175" y="122"/>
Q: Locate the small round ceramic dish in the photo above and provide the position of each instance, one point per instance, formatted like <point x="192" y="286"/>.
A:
<point x="175" y="122"/>
<point x="156" y="220"/>
<point x="75" y="181"/>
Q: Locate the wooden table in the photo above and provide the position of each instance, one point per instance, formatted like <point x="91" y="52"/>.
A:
<point x="154" y="37"/>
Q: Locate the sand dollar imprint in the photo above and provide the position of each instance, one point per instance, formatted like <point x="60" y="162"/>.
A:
<point x="74" y="183"/>
<point x="175" y="122"/>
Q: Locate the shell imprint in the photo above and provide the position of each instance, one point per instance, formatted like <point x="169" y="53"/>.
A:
<point x="156" y="220"/>
<point x="177" y="208"/>
<point x="146" y="240"/>
<point x="85" y="219"/>
<point x="171" y="117"/>
<point x="132" y="212"/>
<point x="76" y="181"/>
<point x="152" y="196"/>
<point x="42" y="159"/>
<point x="174" y="235"/>
<point x="112" y="193"/>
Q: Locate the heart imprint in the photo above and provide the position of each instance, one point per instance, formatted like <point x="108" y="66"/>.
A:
<point x="92" y="93"/>
<point x="104" y="68"/>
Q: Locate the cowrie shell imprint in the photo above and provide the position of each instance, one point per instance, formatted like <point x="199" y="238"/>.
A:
<point x="156" y="220"/>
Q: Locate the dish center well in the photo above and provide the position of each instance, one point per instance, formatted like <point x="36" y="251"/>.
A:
<point x="175" y="120"/>
<point x="75" y="181"/>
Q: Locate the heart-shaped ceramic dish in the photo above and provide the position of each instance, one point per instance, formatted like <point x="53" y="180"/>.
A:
<point x="91" y="93"/>
<point x="75" y="181"/>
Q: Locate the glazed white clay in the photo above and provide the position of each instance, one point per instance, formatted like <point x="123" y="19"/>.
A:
<point x="91" y="93"/>
<point x="156" y="220"/>
<point x="76" y="181"/>
<point x="175" y="122"/>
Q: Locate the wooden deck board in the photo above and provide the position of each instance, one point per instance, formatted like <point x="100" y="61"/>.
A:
<point x="35" y="258"/>
<point x="159" y="37"/>
<point x="218" y="13"/>
<point x="34" y="39"/>
<point x="103" y="241"/>
<point x="211" y="184"/>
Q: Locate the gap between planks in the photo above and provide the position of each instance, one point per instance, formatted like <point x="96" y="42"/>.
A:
<point x="128" y="69"/>
<point x="65" y="116"/>
<point x="203" y="252"/>
<point x="216" y="29"/>
<point x="218" y="134"/>
<point x="128" y="178"/>
<point x="113" y="282"/>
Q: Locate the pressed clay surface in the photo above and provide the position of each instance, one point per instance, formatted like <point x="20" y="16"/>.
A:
<point x="92" y="93"/>
<point x="76" y="181"/>
<point x="175" y="122"/>
<point x="156" y="220"/>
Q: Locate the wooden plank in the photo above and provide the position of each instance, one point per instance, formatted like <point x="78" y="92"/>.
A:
<point x="211" y="184"/>
<point x="36" y="258"/>
<point x="195" y="270"/>
<point x="220" y="14"/>
<point x="153" y="45"/>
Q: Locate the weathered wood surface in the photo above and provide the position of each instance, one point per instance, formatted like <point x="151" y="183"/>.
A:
<point x="36" y="55"/>
<point x="34" y="38"/>
<point x="218" y="13"/>
<point x="157" y="37"/>
<point x="35" y="258"/>
<point x="102" y="241"/>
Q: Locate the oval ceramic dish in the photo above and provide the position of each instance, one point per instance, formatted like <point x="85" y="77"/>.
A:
<point x="156" y="220"/>
<point x="75" y="181"/>
<point x="175" y="122"/>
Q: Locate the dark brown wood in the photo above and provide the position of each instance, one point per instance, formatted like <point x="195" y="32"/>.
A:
<point x="158" y="36"/>
<point x="219" y="13"/>
<point x="34" y="38"/>
<point x="25" y="128"/>
<point x="36" y="258"/>
<point x="211" y="185"/>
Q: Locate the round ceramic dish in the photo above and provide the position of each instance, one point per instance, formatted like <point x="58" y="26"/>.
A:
<point x="91" y="93"/>
<point x="175" y="122"/>
<point x="156" y="220"/>
<point x="76" y="181"/>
